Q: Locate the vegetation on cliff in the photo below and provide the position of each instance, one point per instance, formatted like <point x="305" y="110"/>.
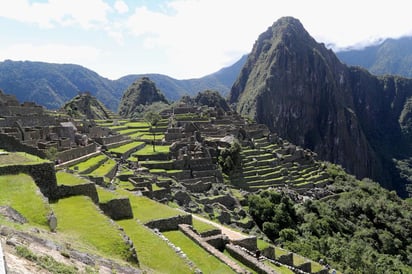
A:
<point x="362" y="228"/>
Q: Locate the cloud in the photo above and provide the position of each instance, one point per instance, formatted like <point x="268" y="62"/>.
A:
<point x="121" y="7"/>
<point x="55" y="13"/>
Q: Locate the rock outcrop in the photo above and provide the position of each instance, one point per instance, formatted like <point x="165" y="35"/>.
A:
<point x="300" y="90"/>
<point x="141" y="93"/>
<point x="86" y="106"/>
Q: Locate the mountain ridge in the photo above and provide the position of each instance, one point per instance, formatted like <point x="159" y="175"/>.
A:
<point x="51" y="85"/>
<point x="300" y="89"/>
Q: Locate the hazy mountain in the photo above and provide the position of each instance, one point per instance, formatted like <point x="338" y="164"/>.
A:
<point x="301" y="90"/>
<point x="51" y="85"/>
<point x="392" y="56"/>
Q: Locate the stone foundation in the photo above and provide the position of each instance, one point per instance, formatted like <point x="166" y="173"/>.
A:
<point x="117" y="209"/>
<point x="169" y="224"/>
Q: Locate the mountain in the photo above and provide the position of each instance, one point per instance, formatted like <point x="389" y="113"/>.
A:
<point x="50" y="85"/>
<point x="143" y="92"/>
<point x="392" y="56"/>
<point x="300" y="89"/>
<point x="86" y="106"/>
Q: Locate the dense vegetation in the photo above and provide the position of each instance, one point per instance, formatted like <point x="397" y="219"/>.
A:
<point x="363" y="228"/>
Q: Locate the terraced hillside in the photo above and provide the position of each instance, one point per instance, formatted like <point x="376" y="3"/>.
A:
<point x="148" y="180"/>
<point x="277" y="163"/>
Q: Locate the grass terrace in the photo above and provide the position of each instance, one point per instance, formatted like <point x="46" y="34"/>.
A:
<point x="19" y="158"/>
<point x="103" y="169"/>
<point x="81" y="221"/>
<point x="145" y="209"/>
<point x="125" y="148"/>
<point x="148" y="150"/>
<point x="89" y="163"/>
<point x="203" y="260"/>
<point x="106" y="195"/>
<point x="153" y="252"/>
<point x="64" y="178"/>
<point x="21" y="193"/>
<point x="201" y="227"/>
<point x="149" y="137"/>
<point x="139" y="125"/>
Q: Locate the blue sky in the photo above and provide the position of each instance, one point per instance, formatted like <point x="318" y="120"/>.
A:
<point x="181" y="38"/>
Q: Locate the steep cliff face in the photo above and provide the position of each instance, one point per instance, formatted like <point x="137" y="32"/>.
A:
<point x="299" y="89"/>
<point x="141" y="93"/>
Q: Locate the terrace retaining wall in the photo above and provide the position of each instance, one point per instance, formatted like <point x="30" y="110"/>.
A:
<point x="117" y="209"/>
<point x="74" y="153"/>
<point x="43" y="174"/>
<point x="168" y="224"/>
<point x="89" y="189"/>
<point x="11" y="144"/>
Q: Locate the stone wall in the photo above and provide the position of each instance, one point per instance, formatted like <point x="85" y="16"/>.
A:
<point x="109" y="139"/>
<point x="248" y="260"/>
<point x="29" y="121"/>
<point x="117" y="209"/>
<point x="10" y="143"/>
<point x="74" y="153"/>
<point x="88" y="189"/>
<point x="169" y="224"/>
<point x="158" y="194"/>
<point x="210" y="249"/>
<point x="44" y="176"/>
<point x="250" y="243"/>
<point x="198" y="187"/>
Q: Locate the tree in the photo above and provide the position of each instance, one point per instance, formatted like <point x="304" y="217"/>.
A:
<point x="152" y="118"/>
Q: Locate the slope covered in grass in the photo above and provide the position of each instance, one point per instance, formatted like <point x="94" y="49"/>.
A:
<point x="80" y="221"/>
<point x="21" y="193"/>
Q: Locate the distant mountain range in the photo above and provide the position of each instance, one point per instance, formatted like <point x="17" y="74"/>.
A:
<point x="51" y="85"/>
<point x="392" y="56"/>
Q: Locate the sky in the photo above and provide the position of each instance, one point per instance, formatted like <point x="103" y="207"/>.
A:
<point x="180" y="38"/>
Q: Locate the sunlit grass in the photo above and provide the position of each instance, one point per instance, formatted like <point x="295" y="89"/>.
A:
<point x="152" y="251"/>
<point x="21" y="193"/>
<point x="203" y="260"/>
<point x="64" y="178"/>
<point x="81" y="221"/>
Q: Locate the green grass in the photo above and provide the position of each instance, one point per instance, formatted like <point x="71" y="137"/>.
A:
<point x="124" y="148"/>
<point x="21" y="193"/>
<point x="153" y="252"/>
<point x="64" y="178"/>
<point x="106" y="195"/>
<point x="279" y="269"/>
<point x="203" y="260"/>
<point x="148" y="150"/>
<point x="141" y="124"/>
<point x="128" y="131"/>
<point x="82" y="166"/>
<point x="103" y="169"/>
<point x="146" y="209"/>
<point x="279" y="252"/>
<point x="20" y="158"/>
<point x="261" y="244"/>
<point x="149" y="137"/>
<point x="202" y="226"/>
<point x="82" y="222"/>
